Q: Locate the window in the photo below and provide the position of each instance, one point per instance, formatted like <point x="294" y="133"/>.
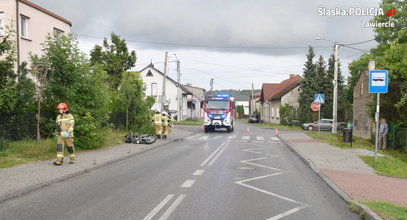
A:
<point x="153" y="89"/>
<point x="58" y="32"/>
<point x="24" y="26"/>
<point x="190" y="105"/>
<point x="1" y="24"/>
<point x="149" y="74"/>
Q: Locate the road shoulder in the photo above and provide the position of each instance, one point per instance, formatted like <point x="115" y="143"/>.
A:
<point x="293" y="146"/>
<point x="19" y="180"/>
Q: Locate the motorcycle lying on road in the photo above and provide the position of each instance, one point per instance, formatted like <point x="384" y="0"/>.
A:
<point x="140" y="139"/>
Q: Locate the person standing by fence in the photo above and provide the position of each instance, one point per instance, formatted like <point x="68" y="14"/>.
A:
<point x="383" y="129"/>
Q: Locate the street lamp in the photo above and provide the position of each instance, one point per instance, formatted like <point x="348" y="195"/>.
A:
<point x="335" y="98"/>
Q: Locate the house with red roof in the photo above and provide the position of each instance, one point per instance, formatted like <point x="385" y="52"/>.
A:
<point x="273" y="95"/>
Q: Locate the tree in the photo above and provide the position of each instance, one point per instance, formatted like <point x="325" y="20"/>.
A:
<point x="40" y="68"/>
<point x="16" y="92"/>
<point x="307" y="88"/>
<point x="115" y="58"/>
<point x="72" y="79"/>
<point x="287" y="113"/>
<point x="390" y="54"/>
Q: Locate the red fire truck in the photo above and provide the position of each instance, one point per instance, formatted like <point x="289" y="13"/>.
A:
<point x="219" y="112"/>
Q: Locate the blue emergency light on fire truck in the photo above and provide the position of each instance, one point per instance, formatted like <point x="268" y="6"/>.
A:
<point x="219" y="112"/>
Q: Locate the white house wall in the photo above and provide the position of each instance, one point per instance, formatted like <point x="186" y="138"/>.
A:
<point x="171" y="90"/>
<point x="291" y="97"/>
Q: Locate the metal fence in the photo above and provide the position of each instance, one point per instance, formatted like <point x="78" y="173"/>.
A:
<point x="397" y="137"/>
<point x="24" y="126"/>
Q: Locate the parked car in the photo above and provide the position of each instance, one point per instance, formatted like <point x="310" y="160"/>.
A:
<point x="254" y="118"/>
<point x="325" y="124"/>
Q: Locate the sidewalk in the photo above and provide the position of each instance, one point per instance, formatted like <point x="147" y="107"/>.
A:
<point x="22" y="179"/>
<point x="347" y="171"/>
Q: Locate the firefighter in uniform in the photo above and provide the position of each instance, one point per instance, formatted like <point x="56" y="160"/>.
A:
<point x="64" y="126"/>
<point x="157" y="120"/>
<point x="165" y="121"/>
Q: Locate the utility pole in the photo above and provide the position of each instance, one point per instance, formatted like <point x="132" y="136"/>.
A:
<point x="163" y="98"/>
<point x="335" y="98"/>
<point x="179" y="106"/>
<point x="211" y="86"/>
<point x="252" y="103"/>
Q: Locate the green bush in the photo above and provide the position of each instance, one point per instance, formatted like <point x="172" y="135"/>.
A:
<point x="287" y="114"/>
<point x="71" y="79"/>
<point x="3" y="144"/>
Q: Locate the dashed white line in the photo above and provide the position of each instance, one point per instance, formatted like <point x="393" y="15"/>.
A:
<point x="172" y="208"/>
<point x="213" y="154"/>
<point x="217" y="155"/>
<point x="246" y="137"/>
<point x="275" y="138"/>
<point x="198" y="172"/>
<point x="188" y="183"/>
<point x="260" y="138"/>
<point x="158" y="207"/>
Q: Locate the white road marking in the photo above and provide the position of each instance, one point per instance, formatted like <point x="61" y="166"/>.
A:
<point x="213" y="154"/>
<point x="289" y="212"/>
<point x="188" y="183"/>
<point x="172" y="208"/>
<point x="217" y="137"/>
<point x="246" y="137"/>
<point x="194" y="136"/>
<point x="217" y="155"/>
<point x="234" y="135"/>
<point x="259" y="165"/>
<point x="260" y="138"/>
<point x="198" y="172"/>
<point x="257" y="141"/>
<point x="203" y="138"/>
<point x="158" y="207"/>
<point x="279" y="172"/>
<point x="275" y="138"/>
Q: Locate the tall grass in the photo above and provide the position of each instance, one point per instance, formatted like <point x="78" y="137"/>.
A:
<point x="26" y="151"/>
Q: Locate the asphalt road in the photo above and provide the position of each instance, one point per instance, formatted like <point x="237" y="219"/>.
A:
<point x="213" y="176"/>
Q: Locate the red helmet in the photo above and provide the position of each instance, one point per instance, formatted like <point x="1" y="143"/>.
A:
<point x="62" y="106"/>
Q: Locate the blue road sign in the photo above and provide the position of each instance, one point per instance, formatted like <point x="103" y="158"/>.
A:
<point x="319" y="98"/>
<point x="378" y="81"/>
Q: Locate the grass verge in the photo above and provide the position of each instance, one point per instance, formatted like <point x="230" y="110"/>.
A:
<point x="198" y="122"/>
<point x="27" y="151"/>
<point x="394" y="164"/>
<point x="389" y="165"/>
<point x="388" y="211"/>
<point x="336" y="140"/>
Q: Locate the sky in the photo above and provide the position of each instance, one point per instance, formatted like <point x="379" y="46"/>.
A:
<point x="236" y="42"/>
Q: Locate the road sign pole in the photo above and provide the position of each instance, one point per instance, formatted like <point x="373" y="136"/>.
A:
<point x="314" y="120"/>
<point x="377" y="126"/>
<point x="319" y="120"/>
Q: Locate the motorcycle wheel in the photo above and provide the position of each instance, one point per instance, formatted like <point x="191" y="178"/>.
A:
<point x="150" y="139"/>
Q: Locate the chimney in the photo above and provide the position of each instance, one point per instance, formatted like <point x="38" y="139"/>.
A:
<point x="292" y="75"/>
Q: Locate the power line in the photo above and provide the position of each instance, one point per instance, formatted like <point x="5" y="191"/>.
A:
<point x="355" y="48"/>
<point x="207" y="45"/>
<point x="360" y="42"/>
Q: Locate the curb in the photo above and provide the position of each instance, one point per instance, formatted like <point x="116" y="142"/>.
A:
<point x="367" y="213"/>
<point x="32" y="188"/>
